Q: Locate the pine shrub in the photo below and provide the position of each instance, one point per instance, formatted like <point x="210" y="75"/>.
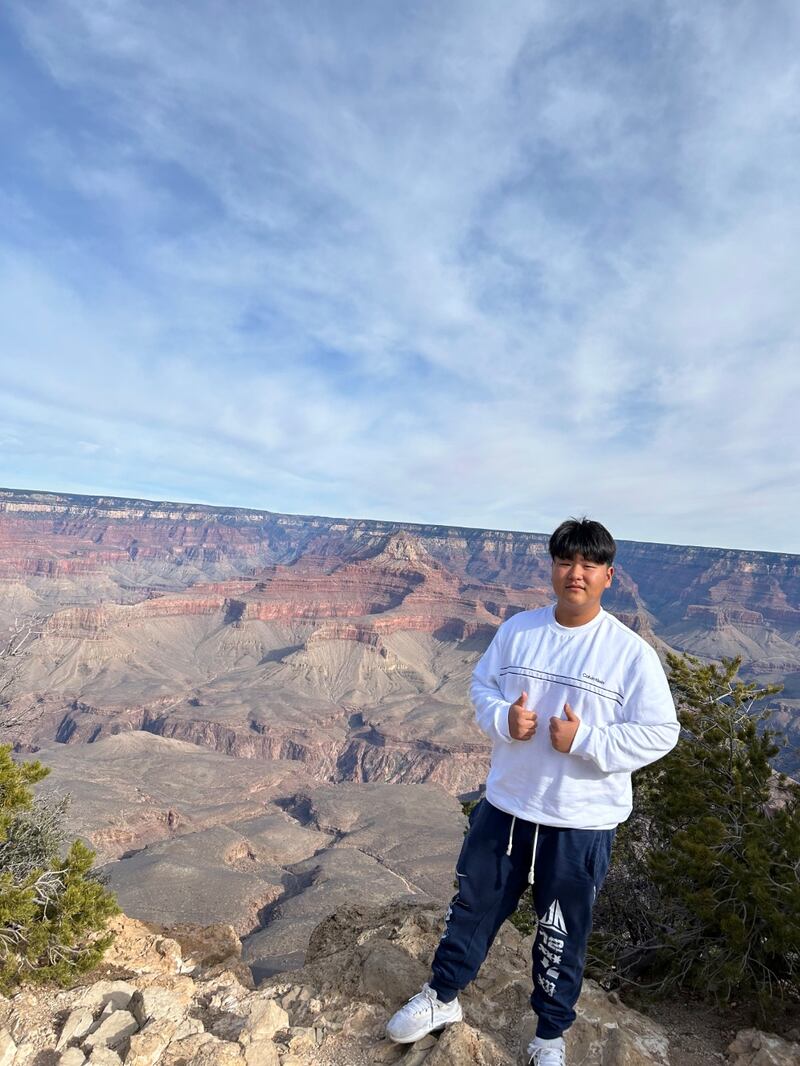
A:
<point x="53" y="910"/>
<point x="704" y="890"/>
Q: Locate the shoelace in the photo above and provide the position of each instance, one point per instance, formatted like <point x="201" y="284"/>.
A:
<point x="545" y="1056"/>
<point x="424" y="1001"/>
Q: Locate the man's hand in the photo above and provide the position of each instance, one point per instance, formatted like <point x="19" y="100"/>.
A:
<point x="563" y="733"/>
<point x="521" y="721"/>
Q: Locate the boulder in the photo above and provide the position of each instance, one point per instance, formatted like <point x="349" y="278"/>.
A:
<point x="77" y="1025"/>
<point x="156" y="1035"/>
<point x="114" y="1032"/>
<point x="389" y="973"/>
<point x="751" y="1047"/>
<point x="147" y="1045"/>
<point x="388" y="1052"/>
<point x="188" y="1027"/>
<point x="265" y="1017"/>
<point x="461" y="1045"/>
<point x="8" y="1048"/>
<point x="365" y="1020"/>
<point x="180" y="1052"/>
<point x="169" y="998"/>
<point x="215" y="1052"/>
<point x="104" y="1056"/>
<point x="606" y="1031"/>
<point x="262" y="1053"/>
<point x="303" y="1040"/>
<point x="137" y="947"/>
<point x="102" y="993"/>
<point x="416" y="1055"/>
<point x="72" y="1057"/>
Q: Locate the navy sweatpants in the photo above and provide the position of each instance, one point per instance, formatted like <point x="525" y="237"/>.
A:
<point x="569" y="869"/>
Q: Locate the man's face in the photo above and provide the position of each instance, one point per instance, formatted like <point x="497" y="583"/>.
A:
<point x="579" y="583"/>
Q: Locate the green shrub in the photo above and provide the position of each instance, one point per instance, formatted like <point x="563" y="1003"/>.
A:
<point x="53" y="911"/>
<point x="704" y="892"/>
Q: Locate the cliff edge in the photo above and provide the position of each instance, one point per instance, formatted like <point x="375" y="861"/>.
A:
<point x="182" y="997"/>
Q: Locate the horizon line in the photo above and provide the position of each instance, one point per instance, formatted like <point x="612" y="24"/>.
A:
<point x="374" y="521"/>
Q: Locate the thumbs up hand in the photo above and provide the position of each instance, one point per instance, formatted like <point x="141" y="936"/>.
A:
<point x="521" y="721"/>
<point x="562" y="733"/>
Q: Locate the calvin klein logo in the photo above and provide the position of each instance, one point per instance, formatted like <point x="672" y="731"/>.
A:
<point x="591" y="677"/>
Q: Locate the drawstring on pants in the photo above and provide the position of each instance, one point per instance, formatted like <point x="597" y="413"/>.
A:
<point x="533" y="857"/>
<point x="535" y="841"/>
<point x="511" y="834"/>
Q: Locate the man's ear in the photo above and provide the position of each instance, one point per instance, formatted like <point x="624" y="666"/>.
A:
<point x="609" y="575"/>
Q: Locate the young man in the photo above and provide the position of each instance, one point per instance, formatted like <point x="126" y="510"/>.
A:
<point x="573" y="701"/>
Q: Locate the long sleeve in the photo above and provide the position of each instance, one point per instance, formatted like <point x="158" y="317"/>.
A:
<point x="648" y="728"/>
<point x="491" y="707"/>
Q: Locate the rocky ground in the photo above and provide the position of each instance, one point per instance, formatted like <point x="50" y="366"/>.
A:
<point x="183" y="998"/>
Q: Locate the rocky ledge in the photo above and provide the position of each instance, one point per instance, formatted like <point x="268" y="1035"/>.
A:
<point x="183" y="998"/>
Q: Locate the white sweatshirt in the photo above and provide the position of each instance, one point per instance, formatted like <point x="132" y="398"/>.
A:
<point x="614" y="683"/>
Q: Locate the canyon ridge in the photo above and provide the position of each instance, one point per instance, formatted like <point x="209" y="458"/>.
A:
<point x="262" y="717"/>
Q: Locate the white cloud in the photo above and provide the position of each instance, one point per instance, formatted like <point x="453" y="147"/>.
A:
<point x="416" y="263"/>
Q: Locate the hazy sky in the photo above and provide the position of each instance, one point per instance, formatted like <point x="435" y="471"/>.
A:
<point x="483" y="263"/>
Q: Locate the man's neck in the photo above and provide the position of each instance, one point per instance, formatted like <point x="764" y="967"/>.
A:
<point x="572" y="619"/>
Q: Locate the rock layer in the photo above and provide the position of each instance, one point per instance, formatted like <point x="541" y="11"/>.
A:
<point x="113" y="581"/>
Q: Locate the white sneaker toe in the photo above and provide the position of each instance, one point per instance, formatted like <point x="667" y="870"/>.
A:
<point x="423" y="1014"/>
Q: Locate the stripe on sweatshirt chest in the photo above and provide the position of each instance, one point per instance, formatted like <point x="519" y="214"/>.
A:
<point x="565" y="680"/>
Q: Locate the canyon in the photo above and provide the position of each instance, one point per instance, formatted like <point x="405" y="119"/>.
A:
<point x="259" y="716"/>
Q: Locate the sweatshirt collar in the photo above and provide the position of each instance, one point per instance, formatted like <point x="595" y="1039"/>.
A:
<point x="575" y="630"/>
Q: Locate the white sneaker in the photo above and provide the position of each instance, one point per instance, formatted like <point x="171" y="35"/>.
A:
<point x="421" y="1015"/>
<point x="546" y="1052"/>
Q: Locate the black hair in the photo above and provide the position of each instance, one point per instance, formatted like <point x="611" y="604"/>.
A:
<point x="582" y="536"/>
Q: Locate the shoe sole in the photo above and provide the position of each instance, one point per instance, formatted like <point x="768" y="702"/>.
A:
<point x="418" y="1034"/>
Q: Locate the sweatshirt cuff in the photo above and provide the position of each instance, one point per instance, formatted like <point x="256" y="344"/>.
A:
<point x="501" y="723"/>
<point x="581" y="742"/>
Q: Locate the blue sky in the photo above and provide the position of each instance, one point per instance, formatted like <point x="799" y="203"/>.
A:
<point x="473" y="263"/>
